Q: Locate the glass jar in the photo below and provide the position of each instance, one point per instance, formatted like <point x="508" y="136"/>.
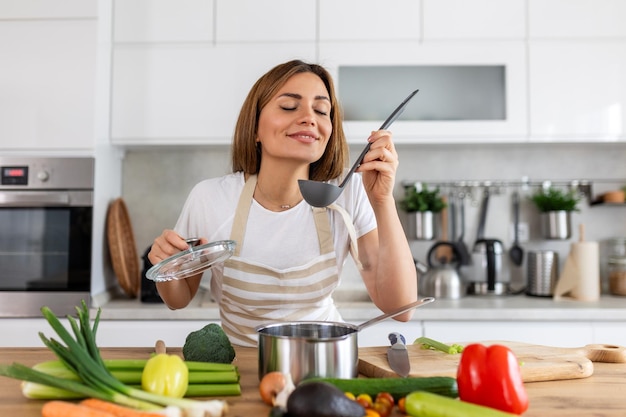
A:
<point x="617" y="266"/>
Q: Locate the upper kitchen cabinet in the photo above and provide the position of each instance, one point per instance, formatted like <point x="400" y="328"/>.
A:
<point x="163" y="20"/>
<point x="45" y="9"/>
<point x="47" y="76"/>
<point x="181" y="69"/>
<point x="567" y="19"/>
<point x="187" y="93"/>
<point x="396" y="68"/>
<point x="265" y="21"/>
<point x="577" y="91"/>
<point x="474" y="20"/>
<point x="577" y="62"/>
<point x="369" y="20"/>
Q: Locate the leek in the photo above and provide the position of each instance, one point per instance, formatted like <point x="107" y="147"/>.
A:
<point x="205" y="379"/>
<point x="428" y="343"/>
<point x="82" y="356"/>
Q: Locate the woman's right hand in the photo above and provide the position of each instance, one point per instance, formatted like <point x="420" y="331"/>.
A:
<point x="166" y="245"/>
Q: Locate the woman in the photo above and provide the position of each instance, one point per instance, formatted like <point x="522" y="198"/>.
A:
<point x="289" y="255"/>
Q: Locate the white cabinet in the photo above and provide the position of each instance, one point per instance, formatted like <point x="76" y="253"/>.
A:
<point x="476" y="19"/>
<point x="577" y="90"/>
<point x="187" y="93"/>
<point x="561" y="334"/>
<point x="132" y="333"/>
<point x="47" y="83"/>
<point x="610" y="333"/>
<point x="44" y="9"/>
<point x="510" y="54"/>
<point x="369" y="20"/>
<point x="163" y="20"/>
<point x="266" y="21"/>
<point x="553" y="19"/>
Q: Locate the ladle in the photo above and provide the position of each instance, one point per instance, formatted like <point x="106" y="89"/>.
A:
<point x="322" y="194"/>
<point x="516" y="253"/>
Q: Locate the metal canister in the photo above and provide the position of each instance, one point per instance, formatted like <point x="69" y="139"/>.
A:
<point x="616" y="266"/>
<point x="543" y="272"/>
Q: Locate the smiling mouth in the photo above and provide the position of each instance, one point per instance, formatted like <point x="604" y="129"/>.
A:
<point x="303" y="138"/>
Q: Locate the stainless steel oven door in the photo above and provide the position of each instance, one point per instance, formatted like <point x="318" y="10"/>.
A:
<point x="45" y="250"/>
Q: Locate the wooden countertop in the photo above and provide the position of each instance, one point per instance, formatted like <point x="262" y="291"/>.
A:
<point x="600" y="395"/>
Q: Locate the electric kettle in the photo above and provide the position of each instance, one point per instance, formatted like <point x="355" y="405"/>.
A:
<point x="441" y="279"/>
<point x="486" y="274"/>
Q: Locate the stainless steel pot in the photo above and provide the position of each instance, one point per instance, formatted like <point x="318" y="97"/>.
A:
<point x="308" y="349"/>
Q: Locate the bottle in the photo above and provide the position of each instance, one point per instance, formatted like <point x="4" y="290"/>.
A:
<point x="617" y="266"/>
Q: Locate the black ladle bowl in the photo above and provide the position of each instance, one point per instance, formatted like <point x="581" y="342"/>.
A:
<point x="322" y="194"/>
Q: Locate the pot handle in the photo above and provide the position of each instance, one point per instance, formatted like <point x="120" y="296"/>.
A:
<point x="394" y="313"/>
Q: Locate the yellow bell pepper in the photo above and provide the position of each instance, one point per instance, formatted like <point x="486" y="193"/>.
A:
<point x="165" y="375"/>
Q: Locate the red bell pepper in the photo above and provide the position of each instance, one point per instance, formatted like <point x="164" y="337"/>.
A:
<point x="491" y="376"/>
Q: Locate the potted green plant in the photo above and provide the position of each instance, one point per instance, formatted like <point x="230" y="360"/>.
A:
<point x="556" y="207"/>
<point x="421" y="204"/>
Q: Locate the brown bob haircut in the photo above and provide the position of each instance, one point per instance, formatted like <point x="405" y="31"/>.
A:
<point x="246" y="155"/>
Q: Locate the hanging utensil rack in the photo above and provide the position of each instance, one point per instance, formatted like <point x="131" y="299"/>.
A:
<point x="582" y="186"/>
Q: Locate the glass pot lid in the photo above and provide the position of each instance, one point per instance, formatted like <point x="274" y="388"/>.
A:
<point x="192" y="261"/>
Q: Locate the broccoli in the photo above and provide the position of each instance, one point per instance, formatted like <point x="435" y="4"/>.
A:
<point x="209" y="344"/>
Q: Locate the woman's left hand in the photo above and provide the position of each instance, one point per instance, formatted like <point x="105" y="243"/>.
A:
<point x="379" y="166"/>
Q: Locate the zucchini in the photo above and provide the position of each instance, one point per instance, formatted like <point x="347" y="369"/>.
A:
<point x="426" y="404"/>
<point x="397" y="387"/>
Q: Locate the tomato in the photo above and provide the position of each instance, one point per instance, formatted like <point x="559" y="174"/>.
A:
<point x="402" y="405"/>
<point x="365" y="400"/>
<point x="385" y="396"/>
<point x="371" y="413"/>
<point x="383" y="408"/>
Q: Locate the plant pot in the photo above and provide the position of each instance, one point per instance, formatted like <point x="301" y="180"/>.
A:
<point x="556" y="225"/>
<point x="421" y="225"/>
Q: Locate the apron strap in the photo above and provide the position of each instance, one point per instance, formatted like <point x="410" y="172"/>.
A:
<point x="241" y="214"/>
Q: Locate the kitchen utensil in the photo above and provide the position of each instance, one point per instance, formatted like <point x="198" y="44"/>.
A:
<point x="482" y="215"/>
<point x="540" y="363"/>
<point x="516" y="253"/>
<point x="192" y="261"/>
<point x="445" y="253"/>
<point x="440" y="280"/>
<point x="316" y="348"/>
<point x="461" y="247"/>
<point x="398" y="356"/>
<point x="322" y="194"/>
<point x="543" y="272"/>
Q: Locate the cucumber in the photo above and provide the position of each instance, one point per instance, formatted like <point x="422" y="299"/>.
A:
<point x="397" y="387"/>
<point x="426" y="404"/>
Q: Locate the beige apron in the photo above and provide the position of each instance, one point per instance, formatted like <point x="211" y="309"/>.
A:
<point x="253" y="294"/>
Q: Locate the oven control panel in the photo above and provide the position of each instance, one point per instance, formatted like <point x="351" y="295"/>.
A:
<point x="46" y="173"/>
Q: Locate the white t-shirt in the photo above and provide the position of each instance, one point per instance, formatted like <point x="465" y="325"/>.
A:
<point x="277" y="239"/>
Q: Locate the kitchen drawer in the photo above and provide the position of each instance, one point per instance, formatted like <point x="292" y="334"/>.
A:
<point x="561" y="334"/>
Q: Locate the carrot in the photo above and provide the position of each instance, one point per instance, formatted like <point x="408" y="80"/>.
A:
<point x="67" y="409"/>
<point x="116" y="410"/>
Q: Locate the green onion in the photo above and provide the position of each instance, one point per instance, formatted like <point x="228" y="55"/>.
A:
<point x="81" y="355"/>
<point x="428" y="343"/>
<point x="201" y="383"/>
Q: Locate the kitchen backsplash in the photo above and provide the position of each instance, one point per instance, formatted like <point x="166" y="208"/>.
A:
<point x="156" y="182"/>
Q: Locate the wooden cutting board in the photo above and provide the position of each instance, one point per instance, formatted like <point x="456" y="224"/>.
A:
<point x="538" y="363"/>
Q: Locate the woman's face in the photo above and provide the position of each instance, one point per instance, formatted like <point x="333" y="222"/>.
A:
<point x="295" y="124"/>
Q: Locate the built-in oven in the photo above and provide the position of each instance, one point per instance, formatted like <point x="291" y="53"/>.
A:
<point x="46" y="210"/>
